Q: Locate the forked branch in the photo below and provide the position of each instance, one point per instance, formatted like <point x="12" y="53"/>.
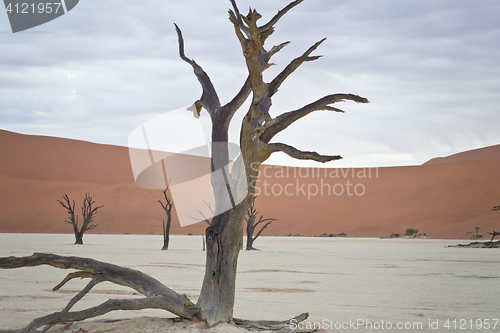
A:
<point x="88" y="213"/>
<point x="239" y="20"/>
<point x="73" y="220"/>
<point x="252" y="225"/>
<point x="267" y="222"/>
<point x="203" y="218"/>
<point x="228" y="110"/>
<point x="157" y="294"/>
<point x="155" y="302"/>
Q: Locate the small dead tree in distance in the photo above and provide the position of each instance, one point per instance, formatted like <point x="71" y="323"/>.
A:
<point x="251" y="224"/>
<point x="204" y="219"/>
<point x="477" y="232"/>
<point x="224" y="235"/>
<point x="493" y="234"/>
<point x="88" y="214"/>
<point x="167" y="207"/>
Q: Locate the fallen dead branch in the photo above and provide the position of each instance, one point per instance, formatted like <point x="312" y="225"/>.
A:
<point x="157" y="295"/>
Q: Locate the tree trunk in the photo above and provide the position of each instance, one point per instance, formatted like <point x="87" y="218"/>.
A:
<point x="166" y="233"/>
<point x="79" y="238"/>
<point x="250" y="230"/>
<point x="223" y="246"/>
<point x="224" y="236"/>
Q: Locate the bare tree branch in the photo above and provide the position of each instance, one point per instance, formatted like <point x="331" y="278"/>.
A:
<point x="143" y="283"/>
<point x="251" y="21"/>
<point x="71" y="211"/>
<point x="494" y="234"/>
<point x="231" y="107"/>
<point x="264" y="56"/>
<point x="294" y="64"/>
<point x="279" y="15"/>
<point x="155" y="302"/>
<point x="238" y="18"/>
<point x="253" y="49"/>
<point x="88" y="213"/>
<point x="286" y="119"/>
<point x="168" y="202"/>
<point x="252" y="225"/>
<point x="70" y="276"/>
<point x="209" y="98"/>
<point x="264" y="227"/>
<point x="262" y="220"/>
<point x="301" y="155"/>
<point x="95" y="280"/>
<point x="277" y="48"/>
<point x="268" y="324"/>
<point x="204" y="218"/>
<point x="228" y="110"/>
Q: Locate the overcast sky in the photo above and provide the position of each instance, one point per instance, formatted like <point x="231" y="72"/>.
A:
<point x="430" y="69"/>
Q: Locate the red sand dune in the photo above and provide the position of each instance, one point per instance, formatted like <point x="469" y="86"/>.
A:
<point x="444" y="199"/>
<point x="475" y="154"/>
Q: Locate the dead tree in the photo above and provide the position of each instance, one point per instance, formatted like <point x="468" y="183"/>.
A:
<point x="258" y="128"/>
<point x="167" y="207"/>
<point x="493" y="234"/>
<point x="252" y="225"/>
<point x="224" y="235"/>
<point x="204" y="219"/>
<point x="88" y="214"/>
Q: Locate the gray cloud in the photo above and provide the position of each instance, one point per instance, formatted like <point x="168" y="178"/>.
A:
<point x="429" y="68"/>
